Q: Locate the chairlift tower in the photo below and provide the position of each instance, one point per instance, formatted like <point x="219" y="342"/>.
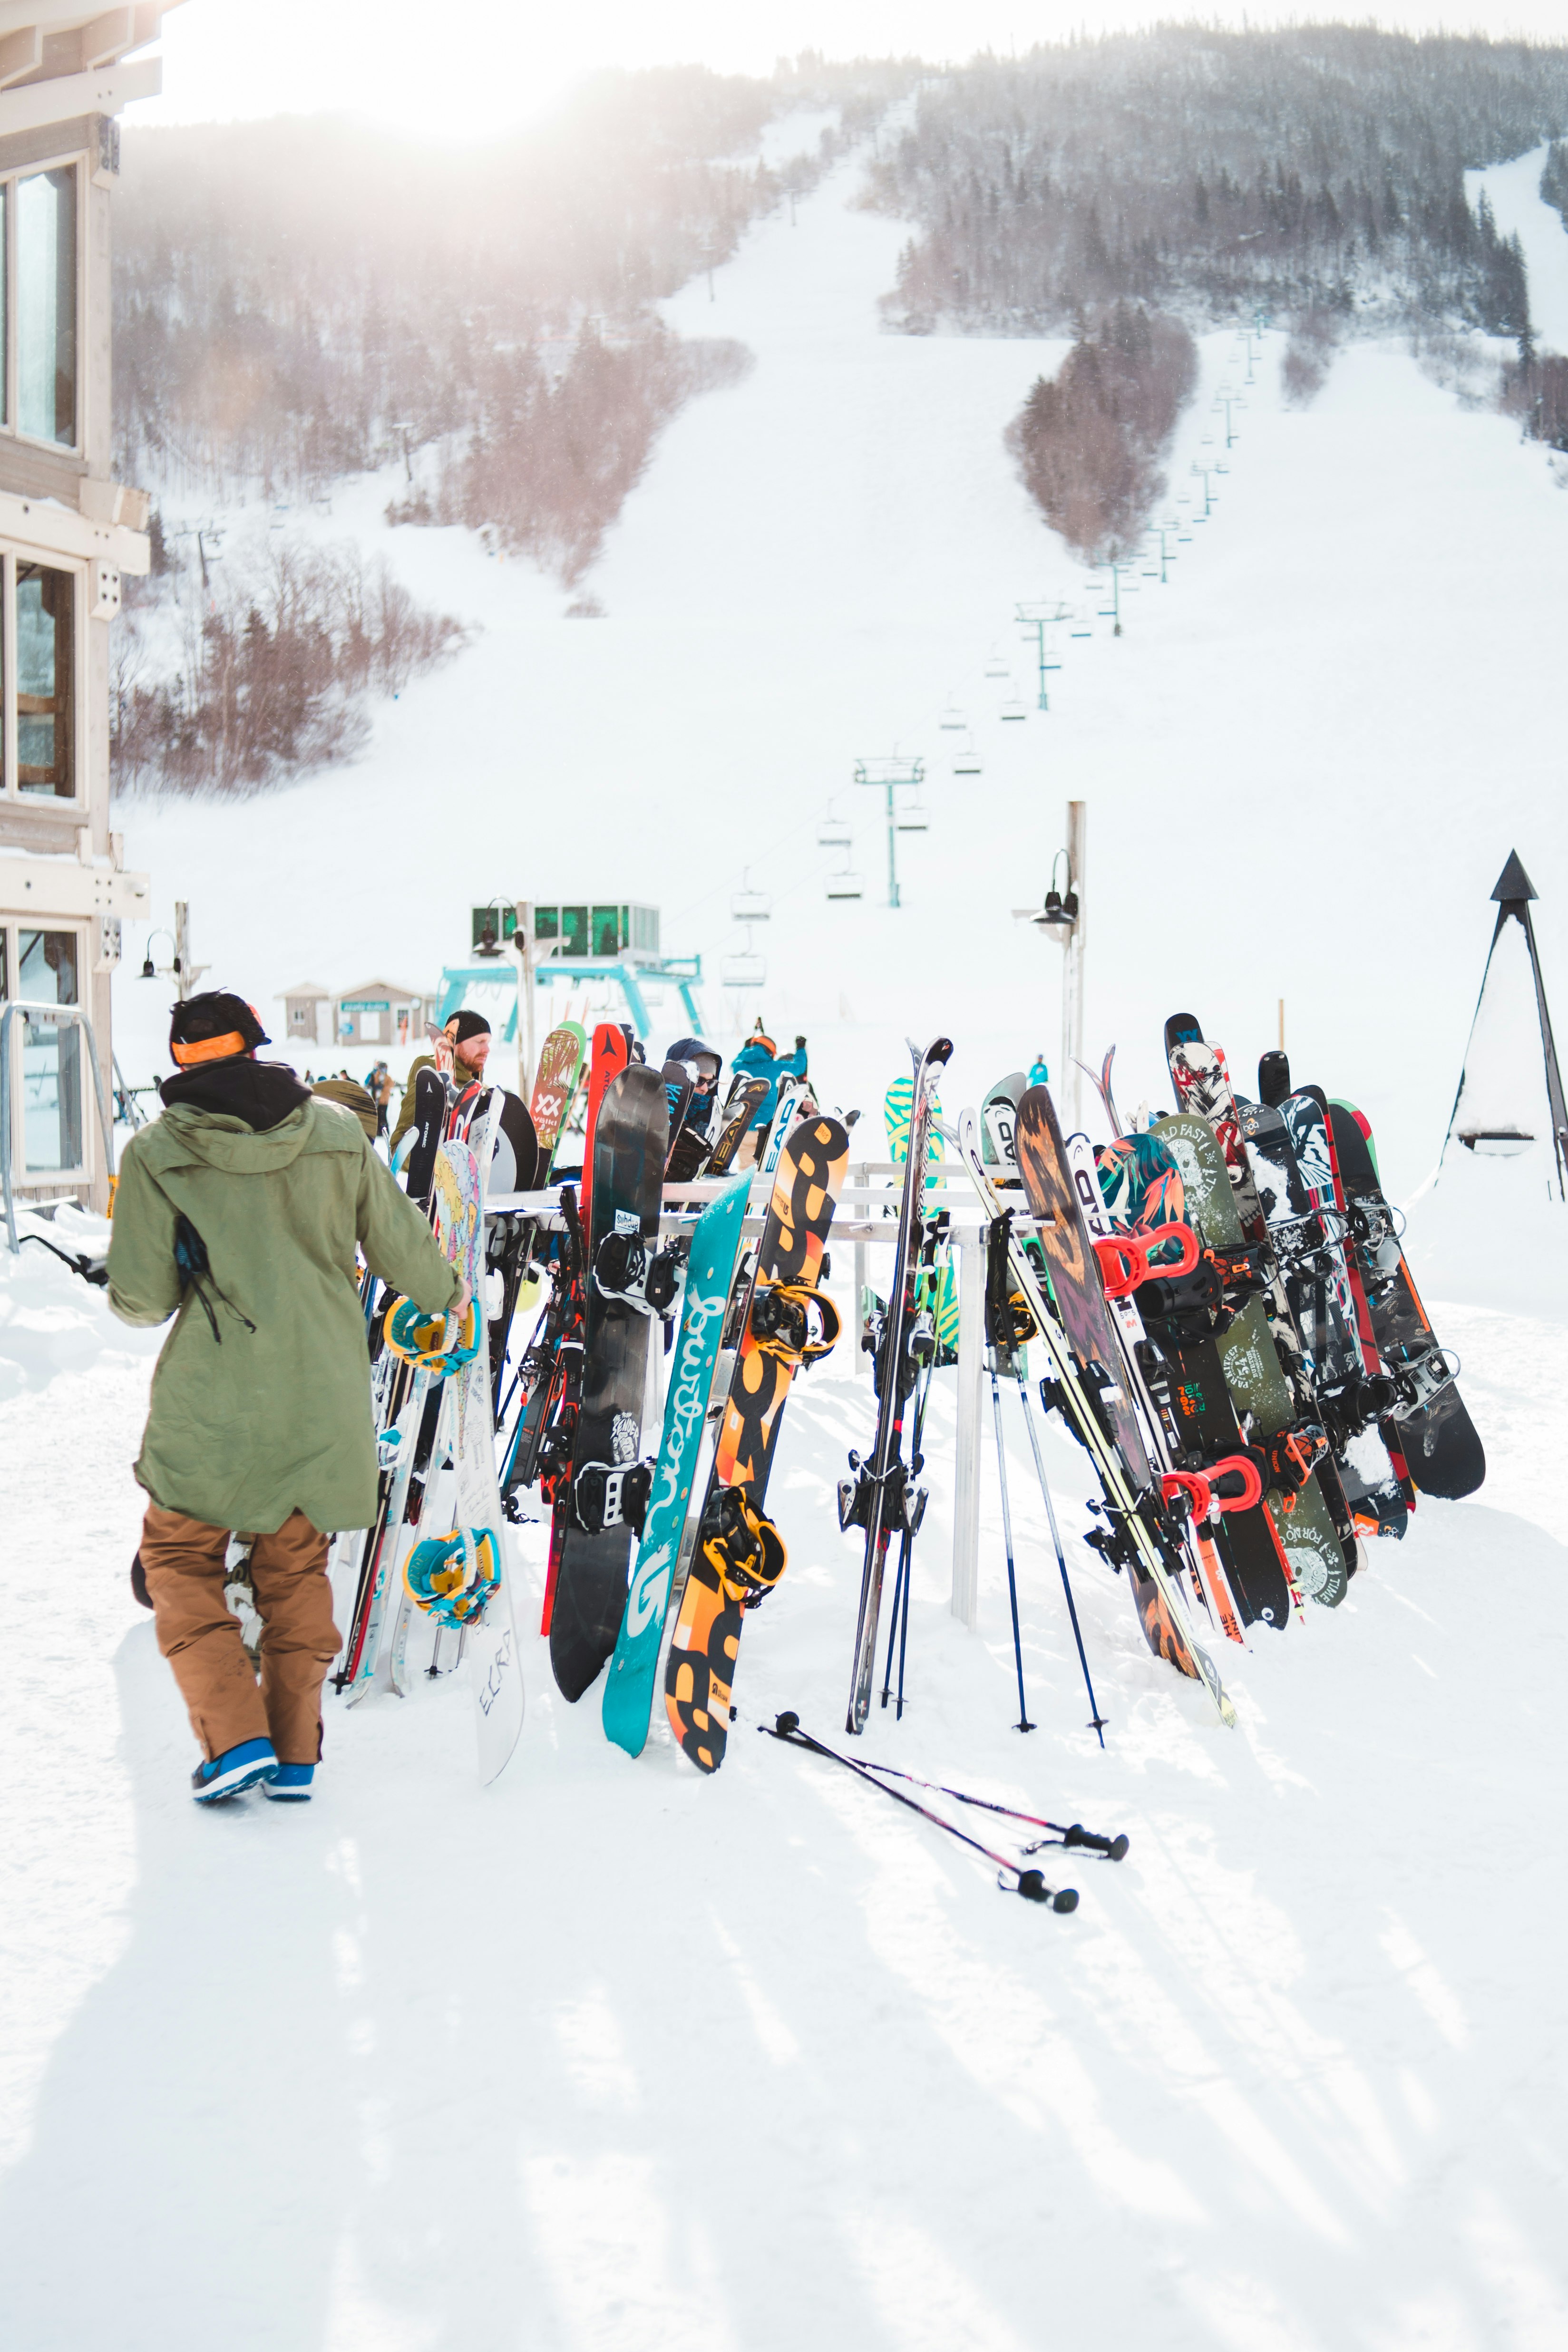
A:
<point x="893" y="776"/>
<point x="1041" y="617"/>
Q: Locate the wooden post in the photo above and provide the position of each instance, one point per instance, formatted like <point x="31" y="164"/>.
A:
<point x="970" y="1398"/>
<point x="523" y="941"/>
<point x="860" y="1176"/>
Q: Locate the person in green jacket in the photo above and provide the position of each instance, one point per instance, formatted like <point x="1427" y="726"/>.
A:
<point x="238" y="1212"/>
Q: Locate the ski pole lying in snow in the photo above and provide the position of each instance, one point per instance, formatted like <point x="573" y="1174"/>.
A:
<point x="1029" y="1883"/>
<point x="1073" y="1834"/>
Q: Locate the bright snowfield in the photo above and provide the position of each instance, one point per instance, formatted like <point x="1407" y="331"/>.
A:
<point x="611" y="2055"/>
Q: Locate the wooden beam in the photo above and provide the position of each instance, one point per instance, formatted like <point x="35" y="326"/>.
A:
<point x="106" y="38"/>
<point x="20" y="53"/>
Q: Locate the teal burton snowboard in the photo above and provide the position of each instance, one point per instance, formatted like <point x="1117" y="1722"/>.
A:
<point x="633" y="1677"/>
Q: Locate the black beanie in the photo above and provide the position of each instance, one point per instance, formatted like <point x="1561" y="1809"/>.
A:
<point x="214" y="1027"/>
<point x="469" y="1025"/>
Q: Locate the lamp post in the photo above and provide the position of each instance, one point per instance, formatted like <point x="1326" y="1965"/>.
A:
<point x="1062" y="919"/>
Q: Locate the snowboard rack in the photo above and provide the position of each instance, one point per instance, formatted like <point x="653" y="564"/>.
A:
<point x="742" y="1545"/>
<point x="611" y="1495"/>
<point x="782" y="1318"/>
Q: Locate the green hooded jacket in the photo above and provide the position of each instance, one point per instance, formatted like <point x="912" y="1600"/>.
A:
<point x="248" y="1424"/>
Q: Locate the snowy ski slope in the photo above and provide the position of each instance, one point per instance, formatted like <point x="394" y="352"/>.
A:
<point x="609" y="2056"/>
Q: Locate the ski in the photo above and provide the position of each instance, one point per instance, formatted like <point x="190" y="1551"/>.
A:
<point x="879" y="1496"/>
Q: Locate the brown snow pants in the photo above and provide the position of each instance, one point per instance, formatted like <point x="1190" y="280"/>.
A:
<point x="182" y="1559"/>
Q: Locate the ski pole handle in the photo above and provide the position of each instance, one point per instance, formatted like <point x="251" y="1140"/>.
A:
<point x="1113" y="1848"/>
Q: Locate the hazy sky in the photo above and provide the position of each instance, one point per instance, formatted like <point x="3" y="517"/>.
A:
<point x="477" y="65"/>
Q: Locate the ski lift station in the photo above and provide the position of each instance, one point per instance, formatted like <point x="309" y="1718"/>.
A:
<point x="572" y="941"/>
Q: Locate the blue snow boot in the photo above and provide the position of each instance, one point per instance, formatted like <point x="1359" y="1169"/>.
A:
<point x="289" y="1785"/>
<point x="236" y="1768"/>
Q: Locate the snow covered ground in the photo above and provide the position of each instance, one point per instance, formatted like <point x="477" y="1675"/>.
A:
<point x="608" y="2055"/>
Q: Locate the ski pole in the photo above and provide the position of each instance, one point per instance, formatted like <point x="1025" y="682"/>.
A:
<point x="1030" y="1885"/>
<point x="1023" y="1723"/>
<point x="900" y="1606"/>
<point x="1071" y="1834"/>
<point x="1099" y="1721"/>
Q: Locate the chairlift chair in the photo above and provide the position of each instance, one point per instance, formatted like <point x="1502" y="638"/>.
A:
<point x="1015" y="708"/>
<point x="966" y="759"/>
<point x="742" y="972"/>
<point x="911" y="816"/>
<point x="833" y="833"/>
<point x="996" y="667"/>
<point x="844" y="885"/>
<point x="953" y="719"/>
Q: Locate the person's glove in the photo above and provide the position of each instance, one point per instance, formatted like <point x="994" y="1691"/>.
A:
<point x="800" y="1044"/>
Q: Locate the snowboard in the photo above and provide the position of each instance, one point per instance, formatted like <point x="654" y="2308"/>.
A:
<point x="631" y="1138"/>
<point x="1140" y="1365"/>
<point x="998" y="1111"/>
<point x="555" y="1084"/>
<point x="739" y="1556"/>
<point x="467" y="1429"/>
<point x="710" y="1274"/>
<point x="746" y="1098"/>
<point x="1201" y="1084"/>
<point x="1440" y="1442"/>
<point x="1336" y="1324"/>
<point x="1254" y="1379"/>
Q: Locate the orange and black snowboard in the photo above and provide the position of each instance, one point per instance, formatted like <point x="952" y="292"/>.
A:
<point x="740" y="1555"/>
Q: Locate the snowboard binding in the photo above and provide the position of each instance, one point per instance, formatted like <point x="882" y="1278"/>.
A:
<point x="451" y="1577"/>
<point x="783" y="1317"/>
<point x="742" y="1546"/>
<point x="611" y="1495"/>
<point x="420" y="1339"/>
<point x="648" y="1281"/>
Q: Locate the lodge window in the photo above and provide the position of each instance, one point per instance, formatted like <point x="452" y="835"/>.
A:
<point x="47" y="1058"/>
<point x="39" y="678"/>
<point x="38" y="312"/>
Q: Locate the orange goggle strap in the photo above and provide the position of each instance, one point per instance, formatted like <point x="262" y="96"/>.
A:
<point x="209" y="1049"/>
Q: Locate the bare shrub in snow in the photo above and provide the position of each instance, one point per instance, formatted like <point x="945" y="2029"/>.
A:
<point x="1088" y="442"/>
<point x="1308" y="355"/>
<point x="550" y="458"/>
<point x="1536" y="391"/>
<point x="262" y="674"/>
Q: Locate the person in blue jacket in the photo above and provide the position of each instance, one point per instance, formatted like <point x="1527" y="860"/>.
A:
<point x="758" y="1057"/>
<point x="1039" y="1075"/>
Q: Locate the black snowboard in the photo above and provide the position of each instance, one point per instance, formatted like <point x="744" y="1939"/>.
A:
<point x="631" y="1139"/>
<point x="1442" y="1447"/>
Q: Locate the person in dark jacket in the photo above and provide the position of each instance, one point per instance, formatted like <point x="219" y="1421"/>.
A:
<point x="238" y="1212"/>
